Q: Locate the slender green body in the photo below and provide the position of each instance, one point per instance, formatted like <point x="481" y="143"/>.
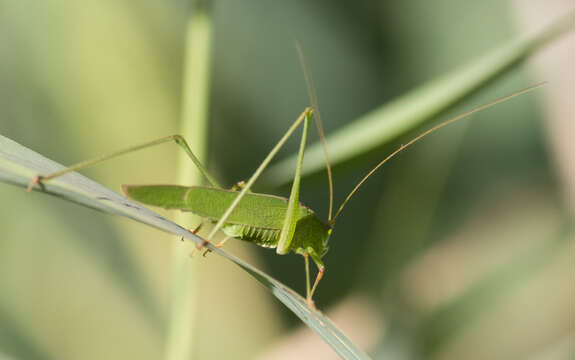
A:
<point x="258" y="218"/>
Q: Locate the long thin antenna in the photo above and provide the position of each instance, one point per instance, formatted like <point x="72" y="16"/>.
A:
<point x="427" y="132"/>
<point x="313" y="98"/>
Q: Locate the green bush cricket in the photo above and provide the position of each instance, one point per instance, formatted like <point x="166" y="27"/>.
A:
<point x="265" y="220"/>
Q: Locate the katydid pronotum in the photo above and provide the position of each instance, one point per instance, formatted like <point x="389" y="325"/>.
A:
<point x="265" y="220"/>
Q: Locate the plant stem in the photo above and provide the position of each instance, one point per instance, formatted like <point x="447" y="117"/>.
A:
<point x="195" y="100"/>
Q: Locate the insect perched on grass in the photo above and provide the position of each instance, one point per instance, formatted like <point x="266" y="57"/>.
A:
<point x="265" y="220"/>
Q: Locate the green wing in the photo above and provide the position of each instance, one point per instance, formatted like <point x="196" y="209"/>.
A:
<point x="258" y="210"/>
<point x="164" y="196"/>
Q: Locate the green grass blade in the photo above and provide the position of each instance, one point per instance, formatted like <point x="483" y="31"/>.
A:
<point x="386" y="123"/>
<point x="180" y="342"/>
<point x="19" y="164"/>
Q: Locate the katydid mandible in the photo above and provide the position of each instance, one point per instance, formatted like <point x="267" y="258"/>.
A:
<point x="265" y="220"/>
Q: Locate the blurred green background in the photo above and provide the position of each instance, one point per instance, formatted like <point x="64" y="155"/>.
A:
<point x="459" y="248"/>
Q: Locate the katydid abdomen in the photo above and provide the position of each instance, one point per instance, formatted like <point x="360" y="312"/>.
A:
<point x="258" y="218"/>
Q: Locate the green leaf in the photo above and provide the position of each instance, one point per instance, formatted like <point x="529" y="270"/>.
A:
<point x="18" y="165"/>
<point x="384" y="124"/>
